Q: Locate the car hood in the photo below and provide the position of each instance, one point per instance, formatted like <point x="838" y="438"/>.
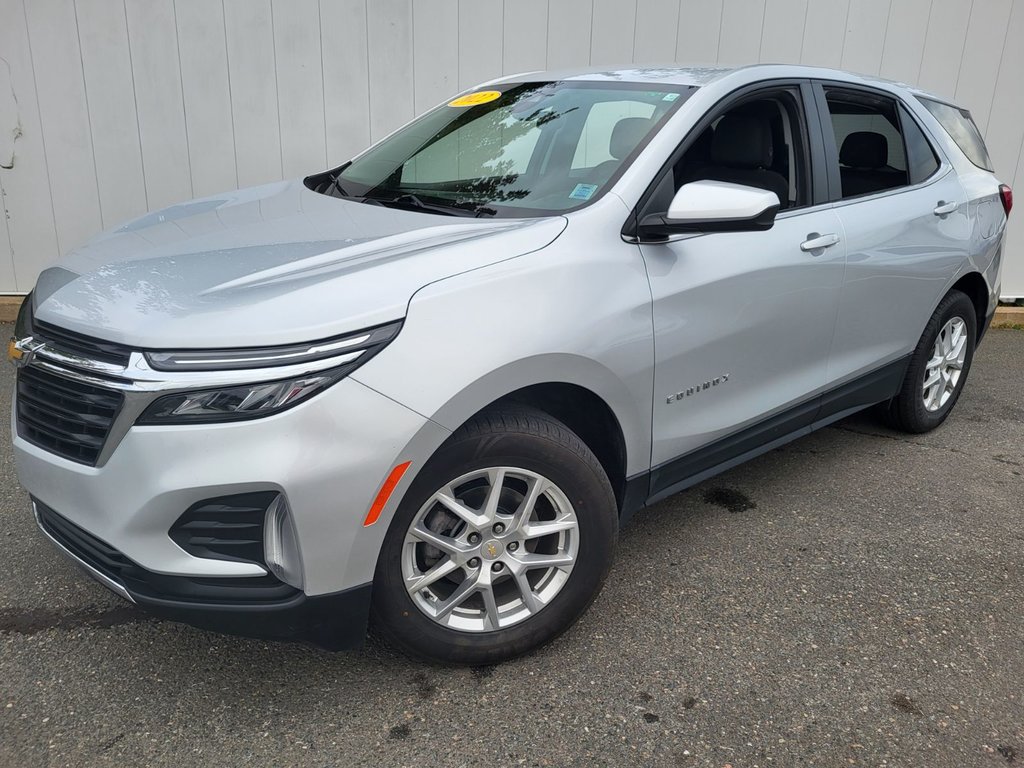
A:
<point x="274" y="264"/>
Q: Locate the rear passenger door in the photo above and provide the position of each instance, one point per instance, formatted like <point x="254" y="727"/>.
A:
<point x="904" y="222"/>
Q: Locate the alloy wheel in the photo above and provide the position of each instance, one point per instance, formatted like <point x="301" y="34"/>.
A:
<point x="490" y="549"/>
<point x="943" y="371"/>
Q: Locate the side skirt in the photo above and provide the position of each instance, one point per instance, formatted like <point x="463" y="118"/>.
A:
<point x="691" y="468"/>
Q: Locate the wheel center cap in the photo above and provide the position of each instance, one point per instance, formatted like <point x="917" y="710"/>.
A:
<point x="491" y="549"/>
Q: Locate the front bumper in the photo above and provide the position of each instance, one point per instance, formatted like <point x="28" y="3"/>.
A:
<point x="327" y="457"/>
<point x="269" y="609"/>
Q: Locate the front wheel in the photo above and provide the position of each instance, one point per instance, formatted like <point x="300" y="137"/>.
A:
<point x="938" y="367"/>
<point x="500" y="544"/>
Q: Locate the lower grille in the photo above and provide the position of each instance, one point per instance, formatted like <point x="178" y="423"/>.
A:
<point x="66" y="417"/>
<point x="86" y="547"/>
<point x="225" y="528"/>
<point x="145" y="584"/>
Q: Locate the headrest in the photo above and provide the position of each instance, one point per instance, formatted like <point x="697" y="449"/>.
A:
<point x="742" y="141"/>
<point x="626" y="134"/>
<point x="701" y="148"/>
<point x="864" y="149"/>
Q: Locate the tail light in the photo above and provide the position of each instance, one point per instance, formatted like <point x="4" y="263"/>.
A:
<point x="1007" y="196"/>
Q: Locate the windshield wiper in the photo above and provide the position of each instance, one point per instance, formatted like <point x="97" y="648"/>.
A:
<point x="468" y="208"/>
<point x="336" y="185"/>
<point x="409" y="200"/>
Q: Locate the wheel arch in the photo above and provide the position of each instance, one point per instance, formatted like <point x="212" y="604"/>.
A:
<point x="586" y="397"/>
<point x="973" y="284"/>
<point x="586" y="414"/>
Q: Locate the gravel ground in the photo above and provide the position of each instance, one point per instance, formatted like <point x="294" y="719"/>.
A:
<point x="855" y="598"/>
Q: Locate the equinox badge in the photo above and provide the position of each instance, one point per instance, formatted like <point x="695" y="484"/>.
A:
<point x="698" y="388"/>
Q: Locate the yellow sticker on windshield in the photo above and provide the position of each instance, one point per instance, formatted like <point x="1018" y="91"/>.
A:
<point x="472" y="99"/>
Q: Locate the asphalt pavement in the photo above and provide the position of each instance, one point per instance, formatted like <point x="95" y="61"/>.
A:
<point x="855" y="598"/>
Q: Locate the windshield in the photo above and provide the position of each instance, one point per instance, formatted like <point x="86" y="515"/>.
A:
<point x="524" y="149"/>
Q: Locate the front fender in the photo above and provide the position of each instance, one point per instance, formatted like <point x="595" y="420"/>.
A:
<point x="554" y="316"/>
<point x="554" y="368"/>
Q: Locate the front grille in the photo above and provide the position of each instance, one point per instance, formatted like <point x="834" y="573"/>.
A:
<point x="64" y="416"/>
<point x="79" y="344"/>
<point x="145" y="584"/>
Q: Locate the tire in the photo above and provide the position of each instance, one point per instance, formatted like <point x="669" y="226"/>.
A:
<point x="524" y="448"/>
<point x="916" y="409"/>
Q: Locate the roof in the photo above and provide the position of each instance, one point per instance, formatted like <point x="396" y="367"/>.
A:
<point x="701" y="75"/>
<point x="675" y="75"/>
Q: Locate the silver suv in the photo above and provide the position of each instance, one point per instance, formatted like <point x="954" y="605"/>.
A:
<point x="427" y="387"/>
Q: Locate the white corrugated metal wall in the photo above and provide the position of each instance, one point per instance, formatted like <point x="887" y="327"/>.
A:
<point x="110" y="108"/>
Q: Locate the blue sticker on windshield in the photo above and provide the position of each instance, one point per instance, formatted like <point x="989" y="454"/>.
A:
<point x="583" y="191"/>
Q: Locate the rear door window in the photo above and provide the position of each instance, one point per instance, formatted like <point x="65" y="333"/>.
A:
<point x="870" y="143"/>
<point x="960" y="126"/>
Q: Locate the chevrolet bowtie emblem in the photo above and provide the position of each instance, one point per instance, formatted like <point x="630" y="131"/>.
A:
<point x="21" y="351"/>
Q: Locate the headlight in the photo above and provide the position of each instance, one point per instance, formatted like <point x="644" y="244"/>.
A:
<point x="334" y="359"/>
<point x="235" y="403"/>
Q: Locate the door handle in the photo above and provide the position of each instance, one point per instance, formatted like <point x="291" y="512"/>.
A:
<point x="944" y="208"/>
<point x="816" y="242"/>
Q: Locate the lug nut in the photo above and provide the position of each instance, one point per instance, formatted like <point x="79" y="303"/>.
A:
<point x="497" y="567"/>
<point x="513" y="546"/>
<point x="474" y="562"/>
<point x="474" y="538"/>
<point x="498" y="527"/>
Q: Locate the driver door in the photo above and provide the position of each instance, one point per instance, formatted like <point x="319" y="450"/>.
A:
<point x="743" y="321"/>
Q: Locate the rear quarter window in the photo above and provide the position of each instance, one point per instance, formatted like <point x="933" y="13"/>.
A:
<point x="961" y="128"/>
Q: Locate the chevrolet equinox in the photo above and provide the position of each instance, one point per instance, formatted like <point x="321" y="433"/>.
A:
<point x="425" y="388"/>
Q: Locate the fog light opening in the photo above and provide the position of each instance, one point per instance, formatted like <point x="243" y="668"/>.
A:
<point x="281" y="545"/>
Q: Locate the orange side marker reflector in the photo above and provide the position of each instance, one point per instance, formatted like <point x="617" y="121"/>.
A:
<point x="385" y="493"/>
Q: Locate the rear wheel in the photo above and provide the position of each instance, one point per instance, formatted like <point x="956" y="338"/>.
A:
<point x="500" y="544"/>
<point x="938" y="368"/>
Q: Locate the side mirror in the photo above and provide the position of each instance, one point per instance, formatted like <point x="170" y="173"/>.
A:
<point x="713" y="206"/>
